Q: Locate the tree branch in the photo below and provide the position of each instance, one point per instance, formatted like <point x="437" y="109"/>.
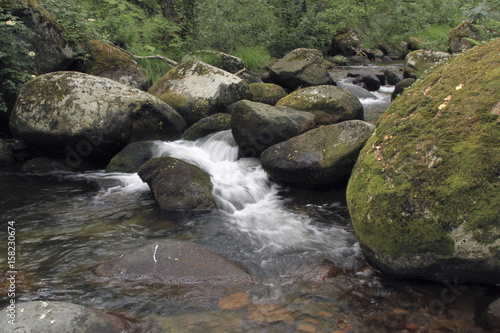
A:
<point x="170" y="61"/>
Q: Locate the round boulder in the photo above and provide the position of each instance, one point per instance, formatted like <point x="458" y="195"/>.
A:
<point x="423" y="196"/>
<point x="49" y="317"/>
<point x="130" y="158"/>
<point x="108" y="61"/>
<point x="401" y="86"/>
<point x="371" y="81"/>
<point x="267" y="93"/>
<point x="222" y="60"/>
<point x="323" y="156"/>
<point x="257" y="126"/>
<point x="197" y="90"/>
<point x="177" y="185"/>
<point x="493" y="315"/>
<point x="330" y="104"/>
<point x="174" y="263"/>
<point x="460" y="36"/>
<point x="84" y="116"/>
<point x="208" y="125"/>
<point x="347" y="43"/>
<point x="300" y="67"/>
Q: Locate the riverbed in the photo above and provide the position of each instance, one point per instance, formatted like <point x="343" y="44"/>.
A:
<point x="298" y="244"/>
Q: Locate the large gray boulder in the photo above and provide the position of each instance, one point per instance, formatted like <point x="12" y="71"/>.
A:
<point x="301" y="67"/>
<point x="257" y="126"/>
<point x="323" y="156"/>
<point x="417" y="62"/>
<point x="330" y="104"/>
<point x="177" y="185"/>
<point x="224" y="61"/>
<point x="197" y="90"/>
<point x="51" y="317"/>
<point x="174" y="263"/>
<point x="267" y="93"/>
<point x="108" y="61"/>
<point x="423" y="197"/>
<point x="84" y="116"/>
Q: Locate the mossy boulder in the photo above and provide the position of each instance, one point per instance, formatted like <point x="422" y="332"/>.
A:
<point x="460" y="36"/>
<point x="61" y="317"/>
<point x="301" y="67"/>
<point x="394" y="50"/>
<point x="197" y="90"/>
<point x="85" y="116"/>
<point x="346" y="43"/>
<point x="177" y="185"/>
<point x="257" y="126"/>
<point x="171" y="262"/>
<point x="209" y="125"/>
<point x="132" y="157"/>
<point x="267" y="93"/>
<point x="108" y="61"/>
<point x="221" y="60"/>
<point x="330" y="104"/>
<point x="417" y="62"/>
<point x="320" y="157"/>
<point x="424" y="196"/>
<point x="415" y="44"/>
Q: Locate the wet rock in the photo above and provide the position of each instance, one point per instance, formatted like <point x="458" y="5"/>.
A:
<point x="401" y="86"/>
<point x="493" y="315"/>
<point x="211" y="321"/>
<point x="300" y="67"/>
<point x="45" y="165"/>
<point x="177" y="185"/>
<point x="174" y="263"/>
<point x="82" y="116"/>
<point x="108" y="61"/>
<point x="347" y="43"/>
<point x="233" y="301"/>
<point x="330" y="104"/>
<point x="6" y="154"/>
<point x="323" y="156"/>
<point x="49" y="317"/>
<point x="208" y="125"/>
<point x="221" y="60"/>
<point x="130" y="158"/>
<point x="360" y="92"/>
<point x="197" y="90"/>
<point x="392" y="78"/>
<point x="267" y="93"/>
<point x="417" y="62"/>
<point x="424" y="196"/>
<point x="257" y="126"/>
<point x="372" y="82"/>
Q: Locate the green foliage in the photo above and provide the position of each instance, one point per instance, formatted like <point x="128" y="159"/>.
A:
<point x="254" y="57"/>
<point x="16" y="59"/>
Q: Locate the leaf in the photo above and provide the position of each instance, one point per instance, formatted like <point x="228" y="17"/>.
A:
<point x="448" y="98"/>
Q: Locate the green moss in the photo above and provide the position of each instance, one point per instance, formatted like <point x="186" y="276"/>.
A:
<point x="173" y="99"/>
<point x="433" y="162"/>
<point x="104" y="57"/>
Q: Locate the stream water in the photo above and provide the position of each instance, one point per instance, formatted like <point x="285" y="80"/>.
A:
<point x="298" y="244"/>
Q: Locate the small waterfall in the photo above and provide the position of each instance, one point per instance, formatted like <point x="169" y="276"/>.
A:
<point x="250" y="201"/>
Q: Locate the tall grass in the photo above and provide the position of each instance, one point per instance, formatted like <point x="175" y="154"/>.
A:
<point x="255" y="57"/>
<point x="156" y="68"/>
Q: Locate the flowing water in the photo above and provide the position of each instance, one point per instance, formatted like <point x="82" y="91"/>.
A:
<point x="298" y="244"/>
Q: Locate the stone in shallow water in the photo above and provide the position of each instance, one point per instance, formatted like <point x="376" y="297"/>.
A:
<point x="174" y="263"/>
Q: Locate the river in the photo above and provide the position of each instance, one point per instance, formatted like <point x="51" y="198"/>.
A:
<point x="288" y="239"/>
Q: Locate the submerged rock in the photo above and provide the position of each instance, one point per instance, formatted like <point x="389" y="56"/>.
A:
<point x="44" y="165"/>
<point x="108" y="61"/>
<point x="209" y="125"/>
<point x="330" y="104"/>
<point x="197" y="90"/>
<point x="257" y="126"/>
<point x="267" y="93"/>
<point x="301" y="67"/>
<point x="323" y="156"/>
<point x="50" y="317"/>
<point x="174" y="263"/>
<point x="177" y="185"/>
<point x="84" y="116"/>
<point x="423" y="196"/>
<point x="130" y="158"/>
